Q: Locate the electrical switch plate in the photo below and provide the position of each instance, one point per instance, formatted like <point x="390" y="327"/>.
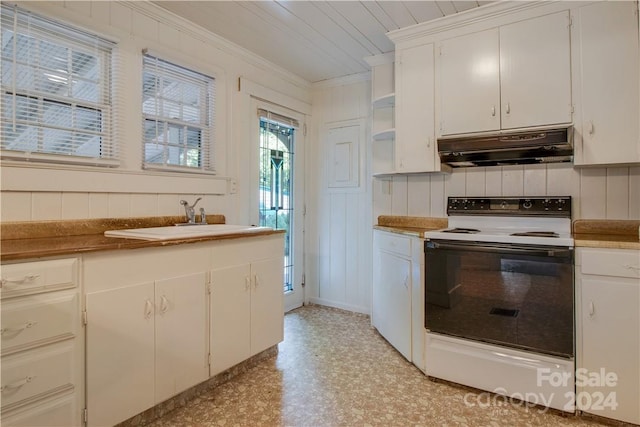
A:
<point x="233" y="186"/>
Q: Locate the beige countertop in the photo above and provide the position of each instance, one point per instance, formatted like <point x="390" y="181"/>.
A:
<point x="612" y="234"/>
<point x="24" y="240"/>
<point x="414" y="226"/>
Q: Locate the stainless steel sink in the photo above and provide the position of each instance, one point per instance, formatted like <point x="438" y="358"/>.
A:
<point x="173" y="232"/>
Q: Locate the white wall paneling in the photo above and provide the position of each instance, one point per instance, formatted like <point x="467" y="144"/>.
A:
<point x="598" y="193"/>
<point x="339" y="275"/>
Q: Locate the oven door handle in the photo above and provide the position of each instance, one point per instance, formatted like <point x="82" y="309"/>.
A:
<point x="538" y="251"/>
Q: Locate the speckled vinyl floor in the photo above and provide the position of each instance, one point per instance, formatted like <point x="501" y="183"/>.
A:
<point x="333" y="369"/>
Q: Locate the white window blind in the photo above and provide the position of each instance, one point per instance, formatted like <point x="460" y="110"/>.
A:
<point x="56" y="92"/>
<point x="178" y="107"/>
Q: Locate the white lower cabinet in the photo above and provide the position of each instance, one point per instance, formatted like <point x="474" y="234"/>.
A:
<point x="146" y="330"/>
<point x="608" y="333"/>
<point x="156" y="316"/>
<point x="41" y="344"/>
<point x="147" y="339"/>
<point x="398" y="293"/>
<point x="247" y="303"/>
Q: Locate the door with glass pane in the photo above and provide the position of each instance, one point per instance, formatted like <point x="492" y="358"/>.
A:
<point x="279" y="188"/>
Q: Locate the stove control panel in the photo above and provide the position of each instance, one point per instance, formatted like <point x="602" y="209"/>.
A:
<point x="510" y="206"/>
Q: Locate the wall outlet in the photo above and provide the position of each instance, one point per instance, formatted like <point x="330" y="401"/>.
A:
<point x="233" y="186"/>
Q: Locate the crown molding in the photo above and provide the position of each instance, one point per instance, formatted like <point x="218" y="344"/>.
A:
<point x="344" y="80"/>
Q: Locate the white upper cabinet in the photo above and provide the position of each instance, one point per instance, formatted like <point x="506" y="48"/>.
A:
<point x="535" y="72"/>
<point x="415" y="130"/>
<point x="606" y="73"/>
<point x="517" y="75"/>
<point x="470" y="83"/>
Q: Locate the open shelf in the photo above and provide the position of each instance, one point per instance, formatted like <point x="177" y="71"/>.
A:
<point x="384" y="101"/>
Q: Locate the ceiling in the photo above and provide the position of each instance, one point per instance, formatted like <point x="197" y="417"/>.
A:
<point x="316" y="40"/>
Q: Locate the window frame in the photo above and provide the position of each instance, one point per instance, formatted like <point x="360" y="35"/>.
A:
<point x="75" y="41"/>
<point x="162" y="69"/>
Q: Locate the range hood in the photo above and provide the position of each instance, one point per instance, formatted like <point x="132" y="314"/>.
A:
<point x="517" y="147"/>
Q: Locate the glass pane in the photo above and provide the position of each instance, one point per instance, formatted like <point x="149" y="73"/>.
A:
<point x="88" y="145"/>
<point x="53" y="82"/>
<point x="153" y="153"/>
<point x="170" y="110"/>
<point x="86" y="90"/>
<point x="24" y="76"/>
<point x="56" y="114"/>
<point x="85" y="65"/>
<point x="20" y="138"/>
<point x="57" y="141"/>
<point x="175" y="135"/>
<point x="88" y="119"/>
<point x="54" y="57"/>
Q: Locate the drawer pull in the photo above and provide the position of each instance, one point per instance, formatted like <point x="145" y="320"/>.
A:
<point x="632" y="267"/>
<point x="17" y="330"/>
<point x="26" y="278"/>
<point x="17" y="384"/>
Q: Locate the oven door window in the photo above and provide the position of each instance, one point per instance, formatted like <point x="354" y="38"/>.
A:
<point x="518" y="296"/>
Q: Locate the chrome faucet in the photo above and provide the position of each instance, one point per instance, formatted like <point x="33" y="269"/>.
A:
<point x="203" y="216"/>
<point x="190" y="211"/>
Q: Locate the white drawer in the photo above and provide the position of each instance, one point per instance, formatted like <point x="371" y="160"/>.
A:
<point x="395" y="243"/>
<point x="37" y="373"/>
<point x="38" y="276"/>
<point x="62" y="411"/>
<point x="611" y="262"/>
<point x="38" y="319"/>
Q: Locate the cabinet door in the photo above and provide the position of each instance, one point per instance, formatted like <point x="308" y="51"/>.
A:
<point x="611" y="341"/>
<point x="415" y="133"/>
<point x="230" y="317"/>
<point x="470" y="83"/>
<point x="395" y="280"/>
<point x="267" y="304"/>
<point x="535" y="72"/>
<point x="607" y="41"/>
<point x="181" y="334"/>
<point x="120" y="353"/>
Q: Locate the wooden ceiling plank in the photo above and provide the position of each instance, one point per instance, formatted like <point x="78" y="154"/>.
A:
<point x="423" y="11"/>
<point x="352" y="21"/>
<point x="399" y="12"/>
<point x="463" y="5"/>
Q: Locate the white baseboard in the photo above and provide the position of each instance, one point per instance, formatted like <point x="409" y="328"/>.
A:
<point x="336" y="304"/>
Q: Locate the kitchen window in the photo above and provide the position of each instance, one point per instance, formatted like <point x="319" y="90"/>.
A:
<point x="178" y="117"/>
<point x="56" y="92"/>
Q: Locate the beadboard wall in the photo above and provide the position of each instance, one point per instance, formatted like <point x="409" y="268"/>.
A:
<point x="338" y="233"/>
<point x="598" y="193"/>
<point x="37" y="192"/>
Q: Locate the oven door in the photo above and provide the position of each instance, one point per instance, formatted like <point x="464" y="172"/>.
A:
<point x="515" y="295"/>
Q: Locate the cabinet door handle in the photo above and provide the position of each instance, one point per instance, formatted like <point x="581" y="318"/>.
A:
<point x="164" y="304"/>
<point x="508" y="108"/>
<point x="17" y="329"/>
<point x="247" y="283"/>
<point x="493" y="111"/>
<point x="30" y="277"/>
<point x="592" y="309"/>
<point x="256" y="281"/>
<point x="17" y="384"/>
<point x="148" y="309"/>
<point x="406" y="282"/>
<point x="591" y="127"/>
